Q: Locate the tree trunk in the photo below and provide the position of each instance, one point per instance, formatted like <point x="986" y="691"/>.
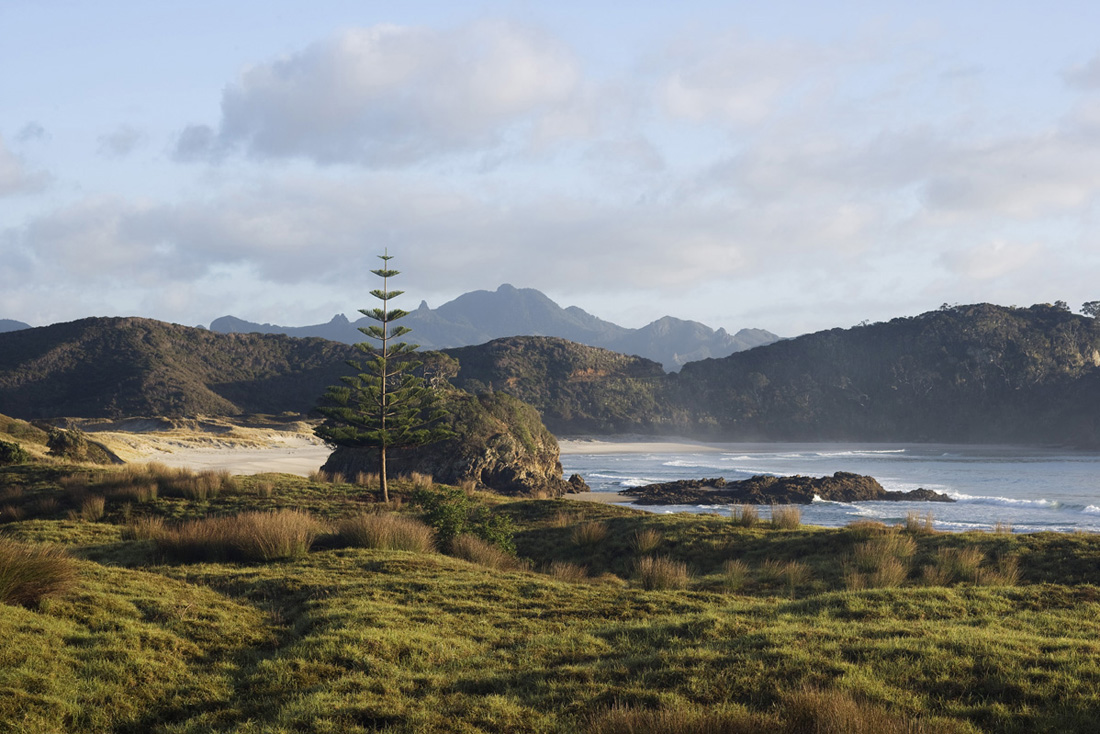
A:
<point x="383" y="484"/>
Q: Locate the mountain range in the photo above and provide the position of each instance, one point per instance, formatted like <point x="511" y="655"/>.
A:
<point x="963" y="374"/>
<point x="481" y="316"/>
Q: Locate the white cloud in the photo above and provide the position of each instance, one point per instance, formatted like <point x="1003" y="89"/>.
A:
<point x="991" y="260"/>
<point x="1084" y="76"/>
<point x="390" y="96"/>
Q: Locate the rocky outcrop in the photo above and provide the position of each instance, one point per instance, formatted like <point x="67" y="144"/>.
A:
<point x="500" y="443"/>
<point x="769" y="490"/>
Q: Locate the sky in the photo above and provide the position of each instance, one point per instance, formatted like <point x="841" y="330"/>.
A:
<point x="791" y="166"/>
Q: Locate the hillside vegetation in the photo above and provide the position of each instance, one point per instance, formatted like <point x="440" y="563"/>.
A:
<point x="113" y="368"/>
<point x="155" y="600"/>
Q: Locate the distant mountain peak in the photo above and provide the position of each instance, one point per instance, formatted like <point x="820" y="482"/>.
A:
<point x="481" y="316"/>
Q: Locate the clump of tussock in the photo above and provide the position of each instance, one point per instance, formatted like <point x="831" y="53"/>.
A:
<point x="659" y="572"/>
<point x="864" y="529"/>
<point x="367" y="479"/>
<point x="264" y="489"/>
<point x="954" y="565"/>
<point x="30" y="573"/>
<point x="250" y="536"/>
<point x="590" y="533"/>
<point x="682" y="719"/>
<point x="564" y="519"/>
<point x="386" y="532"/>
<point x="735" y="572"/>
<point x="838" y="712"/>
<point x="564" y="571"/>
<point x="786" y="517"/>
<point x="11" y="513"/>
<point x="881" y="561"/>
<point x="746" y="516"/>
<point x="93" y="508"/>
<point x="144" y="528"/>
<point x="474" y="549"/>
<point x="791" y="574"/>
<point x="918" y="524"/>
<point x="1005" y="573"/>
<point x="468" y="485"/>
<point x="645" y="541"/>
<point x="421" y="481"/>
<point x="1002" y="528"/>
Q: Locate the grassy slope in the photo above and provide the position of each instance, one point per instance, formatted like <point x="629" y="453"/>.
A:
<point x="362" y="640"/>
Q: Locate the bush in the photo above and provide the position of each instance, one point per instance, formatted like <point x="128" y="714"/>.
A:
<point x="451" y="512"/>
<point x="12" y="453"/>
<point x="657" y="572"/>
<point x="68" y="444"/>
<point x="386" y="532"/>
<point x="30" y="573"/>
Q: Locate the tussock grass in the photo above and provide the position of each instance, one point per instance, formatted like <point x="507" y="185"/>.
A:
<point x="881" y="561"/>
<point x="30" y="573"/>
<point x="564" y="571"/>
<point x="92" y="509"/>
<point x="386" y="532"/>
<point x="954" y="565"/>
<point x="864" y="529"/>
<point x="746" y="516"/>
<point x="838" y="712"/>
<point x="250" y="536"/>
<point x="918" y="524"/>
<point x="368" y="479"/>
<point x="590" y="533"/>
<point x="143" y="528"/>
<point x="734" y="574"/>
<point x="657" y="572"/>
<point x="420" y="481"/>
<point x="682" y="719"/>
<point x="786" y="517"/>
<point x="646" y="541"/>
<point x="474" y="549"/>
<point x="1002" y="528"/>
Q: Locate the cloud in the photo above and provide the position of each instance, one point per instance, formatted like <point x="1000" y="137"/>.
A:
<point x="120" y="142"/>
<point x="991" y="260"/>
<point x="31" y="131"/>
<point x="393" y="96"/>
<point x="15" y="178"/>
<point x="1084" y="76"/>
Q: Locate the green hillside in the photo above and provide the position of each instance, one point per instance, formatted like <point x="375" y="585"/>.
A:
<point x="122" y="367"/>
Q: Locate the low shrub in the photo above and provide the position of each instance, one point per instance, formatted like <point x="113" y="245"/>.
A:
<point x="30" y="573"/>
<point x="386" y="532"/>
<point x="451" y="512"/>
<point x="12" y="453"/>
<point x="658" y="572"/>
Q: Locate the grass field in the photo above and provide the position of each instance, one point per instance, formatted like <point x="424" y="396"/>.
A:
<point x="281" y="604"/>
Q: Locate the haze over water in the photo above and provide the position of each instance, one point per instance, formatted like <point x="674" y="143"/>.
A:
<point x="1031" y="489"/>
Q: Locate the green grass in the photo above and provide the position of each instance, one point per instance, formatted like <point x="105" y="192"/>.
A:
<point x="766" y="633"/>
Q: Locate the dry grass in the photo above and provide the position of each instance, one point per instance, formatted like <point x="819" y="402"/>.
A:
<point x="421" y="481"/>
<point x="1004" y="528"/>
<point x="646" y="541"/>
<point x="30" y="573"/>
<point x="864" y="529"/>
<point x="368" y="479"/>
<point x="786" y="517"/>
<point x="745" y="515"/>
<point x="93" y="508"/>
<point x="837" y="712"/>
<point x="571" y="572"/>
<point x="468" y="485"/>
<point x="918" y="524"/>
<point x="734" y="574"/>
<point x="681" y="719"/>
<point x="387" y="532"/>
<point x="250" y="536"/>
<point x="589" y="533"/>
<point x="474" y="549"/>
<point x="564" y="519"/>
<point x="144" y="528"/>
<point x="658" y="572"/>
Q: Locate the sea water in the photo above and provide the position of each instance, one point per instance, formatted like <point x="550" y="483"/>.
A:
<point x="1028" y="489"/>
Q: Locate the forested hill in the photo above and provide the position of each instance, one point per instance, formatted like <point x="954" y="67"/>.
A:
<point x="113" y="367"/>
<point x="977" y="373"/>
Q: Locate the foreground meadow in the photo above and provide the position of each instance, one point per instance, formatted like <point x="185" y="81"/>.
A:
<point x="165" y="601"/>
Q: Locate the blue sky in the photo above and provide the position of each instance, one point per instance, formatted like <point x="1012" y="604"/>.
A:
<point x="792" y="166"/>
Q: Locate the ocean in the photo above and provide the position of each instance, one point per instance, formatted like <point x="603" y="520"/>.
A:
<point x="1029" y="489"/>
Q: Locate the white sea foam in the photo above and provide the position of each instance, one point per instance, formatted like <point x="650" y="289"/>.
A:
<point x="1003" y="501"/>
<point x="1092" y="510"/>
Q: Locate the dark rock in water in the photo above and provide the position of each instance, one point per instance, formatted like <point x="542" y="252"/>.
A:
<point x="499" y="442"/>
<point x="577" y="484"/>
<point x="769" y="490"/>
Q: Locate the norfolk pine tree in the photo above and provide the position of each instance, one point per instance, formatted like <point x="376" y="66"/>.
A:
<point x="385" y="404"/>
